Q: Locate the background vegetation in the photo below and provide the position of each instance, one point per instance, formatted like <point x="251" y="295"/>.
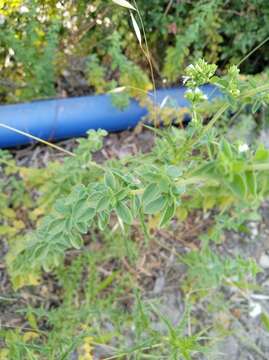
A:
<point x="93" y="243"/>
<point x="79" y="47"/>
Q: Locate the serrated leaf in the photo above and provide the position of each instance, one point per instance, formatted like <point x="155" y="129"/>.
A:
<point x="124" y="213"/>
<point x="152" y="192"/>
<point x="136" y="29"/>
<point x="167" y="215"/>
<point x="124" y="3"/>
<point x="155" y="206"/>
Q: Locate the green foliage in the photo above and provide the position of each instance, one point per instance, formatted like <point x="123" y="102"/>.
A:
<point x="207" y="270"/>
<point x="80" y="200"/>
<point x="184" y="164"/>
<point x="59" y="38"/>
<point x="13" y="197"/>
<point x="31" y="73"/>
<point x="204" y="21"/>
<point x="90" y="299"/>
<point x="128" y="74"/>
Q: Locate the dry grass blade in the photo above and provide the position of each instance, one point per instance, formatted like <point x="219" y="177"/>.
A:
<point x="125" y="4"/>
<point x="118" y="90"/>
<point x="124" y="88"/>
<point x="136" y="29"/>
<point x="37" y="139"/>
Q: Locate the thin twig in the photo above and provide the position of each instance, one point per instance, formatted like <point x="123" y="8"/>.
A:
<point x="252" y="51"/>
<point x="168" y="7"/>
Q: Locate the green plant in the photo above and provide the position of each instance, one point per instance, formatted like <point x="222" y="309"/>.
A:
<point x="207" y="270"/>
<point x="187" y="169"/>
<point x="91" y="221"/>
<point x="184" y="164"/>
<point x="36" y="66"/>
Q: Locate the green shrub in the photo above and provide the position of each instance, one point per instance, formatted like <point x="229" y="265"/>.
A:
<point x="40" y="46"/>
<point x="192" y="168"/>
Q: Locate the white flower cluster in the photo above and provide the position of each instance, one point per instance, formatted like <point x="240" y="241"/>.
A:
<point x="23" y="9"/>
<point x="243" y="148"/>
<point x="197" y="93"/>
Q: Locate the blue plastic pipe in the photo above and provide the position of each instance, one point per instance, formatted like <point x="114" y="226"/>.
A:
<point x="72" y="117"/>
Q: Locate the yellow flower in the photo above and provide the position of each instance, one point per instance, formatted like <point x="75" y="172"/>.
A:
<point x="85" y="351"/>
<point x="9" y="6"/>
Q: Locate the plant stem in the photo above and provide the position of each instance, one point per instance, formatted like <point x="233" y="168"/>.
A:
<point x="252" y="51"/>
<point x="255" y="91"/>
<point x="183" y="182"/>
<point x="258" y="167"/>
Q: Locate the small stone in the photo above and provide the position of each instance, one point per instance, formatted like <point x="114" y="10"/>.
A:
<point x="159" y="285"/>
<point x="264" y="261"/>
<point x="255" y="309"/>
